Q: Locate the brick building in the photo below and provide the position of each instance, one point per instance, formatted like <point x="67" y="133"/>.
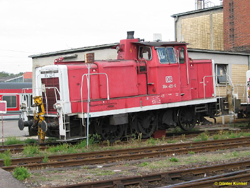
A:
<point x="236" y="25"/>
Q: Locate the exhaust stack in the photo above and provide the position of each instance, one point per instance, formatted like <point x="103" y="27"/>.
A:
<point x="130" y="35"/>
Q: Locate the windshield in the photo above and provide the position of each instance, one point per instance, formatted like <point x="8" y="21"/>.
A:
<point x="166" y="55"/>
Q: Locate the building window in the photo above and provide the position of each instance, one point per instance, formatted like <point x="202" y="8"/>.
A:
<point x="221" y="73"/>
<point x="11" y="101"/>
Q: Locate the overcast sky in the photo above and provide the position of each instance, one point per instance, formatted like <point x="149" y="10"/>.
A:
<point x="29" y="27"/>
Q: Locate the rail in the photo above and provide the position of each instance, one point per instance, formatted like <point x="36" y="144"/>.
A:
<point x="204" y="84"/>
<point x="88" y="88"/>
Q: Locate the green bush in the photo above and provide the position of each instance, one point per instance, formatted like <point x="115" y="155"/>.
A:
<point x="21" y="173"/>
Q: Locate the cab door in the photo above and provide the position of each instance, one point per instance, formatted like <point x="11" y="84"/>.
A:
<point x="184" y="74"/>
<point x="168" y="77"/>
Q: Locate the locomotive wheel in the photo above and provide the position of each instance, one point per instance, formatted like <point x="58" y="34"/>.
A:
<point x="110" y="132"/>
<point x="146" y="124"/>
<point x="186" y="119"/>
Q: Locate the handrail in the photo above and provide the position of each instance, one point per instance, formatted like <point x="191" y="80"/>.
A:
<point x="89" y="88"/>
<point x="204" y="85"/>
<point x="46" y="101"/>
<point x="23" y="92"/>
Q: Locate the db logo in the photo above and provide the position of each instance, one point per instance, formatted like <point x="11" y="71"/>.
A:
<point x="169" y="79"/>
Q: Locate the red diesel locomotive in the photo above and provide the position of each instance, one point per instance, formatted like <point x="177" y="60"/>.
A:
<point x="151" y="86"/>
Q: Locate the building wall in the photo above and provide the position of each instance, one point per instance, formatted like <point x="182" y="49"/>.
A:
<point x="202" y="30"/>
<point x="239" y="80"/>
<point x="236" y="25"/>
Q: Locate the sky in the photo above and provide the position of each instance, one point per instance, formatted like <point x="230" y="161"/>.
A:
<point x="29" y="27"/>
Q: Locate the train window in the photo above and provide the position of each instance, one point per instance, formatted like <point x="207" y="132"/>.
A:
<point x="145" y="53"/>
<point x="162" y="54"/>
<point x="166" y="55"/>
<point x="31" y="100"/>
<point x="221" y="73"/>
<point x="171" y="55"/>
<point x="11" y="101"/>
<point x="182" y="57"/>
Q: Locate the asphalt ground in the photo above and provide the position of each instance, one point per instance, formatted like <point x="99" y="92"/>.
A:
<point x="9" y="128"/>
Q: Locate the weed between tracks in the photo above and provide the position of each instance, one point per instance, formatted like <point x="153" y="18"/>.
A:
<point x="193" y="159"/>
<point x="48" y="178"/>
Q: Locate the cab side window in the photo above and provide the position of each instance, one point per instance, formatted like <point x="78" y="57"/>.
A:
<point x="182" y="57"/>
<point x="145" y="53"/>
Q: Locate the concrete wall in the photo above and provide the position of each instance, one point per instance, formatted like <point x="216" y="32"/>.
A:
<point x="202" y="30"/>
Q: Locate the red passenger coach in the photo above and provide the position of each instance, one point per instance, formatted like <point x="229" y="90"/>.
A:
<point x="150" y="86"/>
<point x="14" y="93"/>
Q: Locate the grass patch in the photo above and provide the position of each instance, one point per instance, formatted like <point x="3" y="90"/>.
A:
<point x="143" y="164"/>
<point x="173" y="159"/>
<point x="191" y="152"/>
<point x="6" y="158"/>
<point x="196" y="159"/>
<point x="21" y="173"/>
<point x="30" y="141"/>
<point x="151" y="141"/>
<point x="30" y="151"/>
<point x="98" y="172"/>
<point x="12" y="141"/>
<point x="45" y="159"/>
<point x="59" y="148"/>
<point x="202" y="137"/>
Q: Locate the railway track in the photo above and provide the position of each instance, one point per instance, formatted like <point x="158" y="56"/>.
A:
<point x="18" y="148"/>
<point x="109" y="156"/>
<point x="189" y="177"/>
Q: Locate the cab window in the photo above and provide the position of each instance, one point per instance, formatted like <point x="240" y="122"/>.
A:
<point x="182" y="57"/>
<point x="171" y="55"/>
<point x="145" y="53"/>
<point x="166" y="55"/>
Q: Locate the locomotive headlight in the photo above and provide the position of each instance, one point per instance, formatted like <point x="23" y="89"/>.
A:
<point x="57" y="106"/>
